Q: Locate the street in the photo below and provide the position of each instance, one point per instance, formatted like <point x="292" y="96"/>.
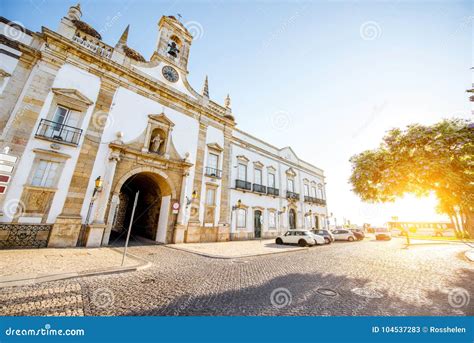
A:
<point x="377" y="278"/>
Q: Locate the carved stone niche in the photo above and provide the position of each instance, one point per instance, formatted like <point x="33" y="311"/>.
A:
<point x="158" y="135"/>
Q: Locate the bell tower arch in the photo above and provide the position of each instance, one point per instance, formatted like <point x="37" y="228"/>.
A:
<point x="174" y="42"/>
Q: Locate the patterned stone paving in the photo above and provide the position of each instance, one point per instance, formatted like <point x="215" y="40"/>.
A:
<point x="363" y="278"/>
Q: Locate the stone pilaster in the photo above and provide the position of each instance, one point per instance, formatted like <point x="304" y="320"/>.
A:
<point x="198" y="172"/>
<point x="224" y="213"/>
<point x="23" y="72"/>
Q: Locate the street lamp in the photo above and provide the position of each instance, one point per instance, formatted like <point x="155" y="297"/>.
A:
<point x="98" y="186"/>
<point x="234" y="207"/>
<point x="97" y="189"/>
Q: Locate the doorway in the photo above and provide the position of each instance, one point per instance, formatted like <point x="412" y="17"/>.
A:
<point x="257" y="223"/>
<point x="292" y="219"/>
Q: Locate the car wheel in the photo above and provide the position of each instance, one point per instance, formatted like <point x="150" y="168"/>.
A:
<point x="327" y="240"/>
<point x="302" y="243"/>
<point x="279" y="241"/>
<point x="350" y="239"/>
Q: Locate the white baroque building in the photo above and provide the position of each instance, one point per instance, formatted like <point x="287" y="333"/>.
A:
<point x="91" y="124"/>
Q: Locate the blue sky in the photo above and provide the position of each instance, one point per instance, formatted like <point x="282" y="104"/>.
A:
<point x="327" y="78"/>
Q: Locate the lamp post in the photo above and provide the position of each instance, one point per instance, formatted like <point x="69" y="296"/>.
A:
<point x="97" y="189"/>
<point x="283" y="210"/>
<point x="234" y="207"/>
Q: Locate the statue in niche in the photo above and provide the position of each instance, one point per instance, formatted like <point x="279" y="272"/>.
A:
<point x="155" y="143"/>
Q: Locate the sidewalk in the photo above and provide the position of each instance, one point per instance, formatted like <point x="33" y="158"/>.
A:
<point x="236" y="249"/>
<point x="26" y="266"/>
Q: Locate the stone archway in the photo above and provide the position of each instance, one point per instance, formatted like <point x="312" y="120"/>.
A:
<point x="152" y="214"/>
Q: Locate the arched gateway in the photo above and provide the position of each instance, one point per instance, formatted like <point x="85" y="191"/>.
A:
<point x="153" y="216"/>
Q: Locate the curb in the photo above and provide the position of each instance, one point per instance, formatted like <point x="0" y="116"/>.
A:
<point x="25" y="281"/>
<point x="222" y="257"/>
<point x="469" y="255"/>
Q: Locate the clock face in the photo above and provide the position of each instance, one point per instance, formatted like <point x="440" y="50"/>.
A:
<point x="170" y="74"/>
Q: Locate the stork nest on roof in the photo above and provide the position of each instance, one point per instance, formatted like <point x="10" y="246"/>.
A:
<point x="86" y="28"/>
<point x="133" y="54"/>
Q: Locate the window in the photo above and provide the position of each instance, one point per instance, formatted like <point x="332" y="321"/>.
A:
<point x="258" y="176"/>
<point x="65" y="116"/>
<point x="242" y="172"/>
<point x="315" y="193"/>
<point x="45" y="174"/>
<point x="271" y="180"/>
<point x="291" y="185"/>
<point x="210" y="197"/>
<point x="241" y="218"/>
<point x="323" y="196"/>
<point x="272" y="219"/>
<point x="213" y="161"/>
<point x="306" y="190"/>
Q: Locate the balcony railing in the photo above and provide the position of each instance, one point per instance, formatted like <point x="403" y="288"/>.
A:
<point x="307" y="198"/>
<point x="241" y="184"/>
<point x="292" y="195"/>
<point x="321" y="202"/>
<point x="272" y="191"/>
<point x="259" y="188"/>
<point x="213" y="172"/>
<point x="58" y="132"/>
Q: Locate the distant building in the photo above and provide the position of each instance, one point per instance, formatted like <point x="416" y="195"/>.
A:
<point x="92" y="124"/>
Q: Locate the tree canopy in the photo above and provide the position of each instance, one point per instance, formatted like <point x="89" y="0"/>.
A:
<point x="422" y="159"/>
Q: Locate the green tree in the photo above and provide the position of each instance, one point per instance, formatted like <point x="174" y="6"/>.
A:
<point x="420" y="160"/>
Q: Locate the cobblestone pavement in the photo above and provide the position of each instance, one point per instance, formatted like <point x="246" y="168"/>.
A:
<point x="360" y="278"/>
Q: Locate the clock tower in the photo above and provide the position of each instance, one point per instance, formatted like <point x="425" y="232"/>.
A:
<point x="174" y="41"/>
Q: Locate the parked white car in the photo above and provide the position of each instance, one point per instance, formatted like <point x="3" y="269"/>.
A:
<point x="300" y="237"/>
<point x="343" y="235"/>
<point x="382" y="233"/>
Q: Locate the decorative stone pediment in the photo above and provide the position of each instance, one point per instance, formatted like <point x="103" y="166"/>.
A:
<point x="290" y="172"/>
<point x="161" y="118"/>
<point x="215" y="147"/>
<point x="289" y="154"/>
<point x="271" y="169"/>
<point x="305" y="180"/>
<point x="258" y="165"/>
<point x="72" y="98"/>
<point x="243" y="159"/>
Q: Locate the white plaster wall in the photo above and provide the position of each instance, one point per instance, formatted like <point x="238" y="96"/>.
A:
<point x="253" y="200"/>
<point x="129" y="115"/>
<point x="155" y="73"/>
<point x="68" y="77"/>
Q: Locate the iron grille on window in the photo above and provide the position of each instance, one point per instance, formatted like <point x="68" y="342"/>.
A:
<point x="272" y="191"/>
<point x="213" y="172"/>
<point x="259" y="188"/>
<point x="58" y="132"/>
<point x="292" y="195"/>
<point x="241" y="184"/>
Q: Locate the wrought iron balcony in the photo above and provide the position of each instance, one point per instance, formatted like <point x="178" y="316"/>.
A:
<point x="292" y="195"/>
<point x="58" y="132"/>
<point x="259" y="188"/>
<point x="241" y="184"/>
<point x="307" y="198"/>
<point x="213" y="172"/>
<point x="273" y="191"/>
<point x="321" y="202"/>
